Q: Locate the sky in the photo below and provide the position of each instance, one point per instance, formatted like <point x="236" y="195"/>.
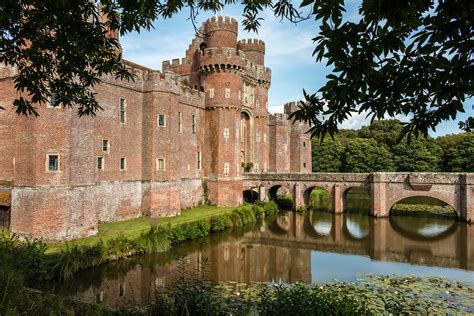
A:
<point x="289" y="50"/>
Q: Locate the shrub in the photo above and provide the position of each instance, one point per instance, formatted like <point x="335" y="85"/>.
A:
<point x="120" y="246"/>
<point x="220" y="223"/>
<point x="270" y="207"/>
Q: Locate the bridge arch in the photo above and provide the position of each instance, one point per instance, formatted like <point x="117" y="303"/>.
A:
<point x="322" y="200"/>
<point x="359" y="204"/>
<point x="318" y="224"/>
<point x="250" y="195"/>
<point x="278" y="189"/>
<point x="448" y="200"/>
<point x="441" y="230"/>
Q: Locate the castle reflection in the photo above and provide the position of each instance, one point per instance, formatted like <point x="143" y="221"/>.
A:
<point x="282" y="251"/>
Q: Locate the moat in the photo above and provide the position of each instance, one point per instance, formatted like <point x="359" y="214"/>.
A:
<point x="312" y="247"/>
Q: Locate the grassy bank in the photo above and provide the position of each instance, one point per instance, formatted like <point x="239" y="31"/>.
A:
<point x="119" y="240"/>
<point x="133" y="228"/>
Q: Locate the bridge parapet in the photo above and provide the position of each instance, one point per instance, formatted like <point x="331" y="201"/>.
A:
<point x="308" y="177"/>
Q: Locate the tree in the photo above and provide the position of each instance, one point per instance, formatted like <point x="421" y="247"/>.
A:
<point x="385" y="132"/>
<point x="460" y="158"/>
<point x="327" y="155"/>
<point x="413" y="58"/>
<point x="421" y="155"/>
<point x="365" y="155"/>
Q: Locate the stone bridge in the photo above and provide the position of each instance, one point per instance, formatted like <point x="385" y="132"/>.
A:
<point x="385" y="188"/>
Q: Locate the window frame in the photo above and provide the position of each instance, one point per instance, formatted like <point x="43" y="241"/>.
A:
<point x="158" y="164"/>
<point x="102" y="164"/>
<point x="158" y="120"/>
<point x="199" y="160"/>
<point x="107" y="146"/>
<point x="48" y="156"/>
<point x="124" y="160"/>
<point x="226" y="169"/>
<point x="193" y="123"/>
<point x="122" y="110"/>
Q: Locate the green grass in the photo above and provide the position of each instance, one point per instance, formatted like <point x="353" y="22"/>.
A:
<point x="134" y="227"/>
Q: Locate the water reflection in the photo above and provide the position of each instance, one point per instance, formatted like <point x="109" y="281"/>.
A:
<point x="313" y="247"/>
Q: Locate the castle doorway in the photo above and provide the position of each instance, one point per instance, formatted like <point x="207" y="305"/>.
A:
<point x="245" y="145"/>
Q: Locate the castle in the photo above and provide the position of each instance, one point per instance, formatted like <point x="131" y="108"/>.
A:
<point x="166" y="141"/>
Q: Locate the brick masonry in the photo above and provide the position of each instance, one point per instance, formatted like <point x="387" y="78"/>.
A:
<point x="214" y="102"/>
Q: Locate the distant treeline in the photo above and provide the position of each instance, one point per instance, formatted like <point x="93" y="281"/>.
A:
<point x="376" y="148"/>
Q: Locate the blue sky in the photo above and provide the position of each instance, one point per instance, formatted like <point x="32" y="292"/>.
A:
<point x="289" y="50"/>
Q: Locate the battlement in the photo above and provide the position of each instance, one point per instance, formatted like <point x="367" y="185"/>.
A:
<point x="291" y="107"/>
<point x="221" y="24"/>
<point x="251" y="44"/>
<point x="174" y="63"/>
<point x="278" y="119"/>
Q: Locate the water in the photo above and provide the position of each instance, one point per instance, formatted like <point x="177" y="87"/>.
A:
<point x="314" y="247"/>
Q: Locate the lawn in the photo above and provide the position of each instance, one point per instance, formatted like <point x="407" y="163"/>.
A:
<point x="134" y="227"/>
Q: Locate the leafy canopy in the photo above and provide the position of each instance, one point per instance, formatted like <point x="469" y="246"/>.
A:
<point x="413" y="58"/>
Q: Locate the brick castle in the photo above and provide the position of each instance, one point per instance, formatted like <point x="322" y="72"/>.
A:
<point x="167" y="141"/>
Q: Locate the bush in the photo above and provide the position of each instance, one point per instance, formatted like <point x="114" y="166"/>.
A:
<point x="270" y="207"/>
<point x="220" y="223"/>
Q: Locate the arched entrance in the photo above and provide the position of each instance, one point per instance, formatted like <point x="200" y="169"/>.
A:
<point x="245" y="138"/>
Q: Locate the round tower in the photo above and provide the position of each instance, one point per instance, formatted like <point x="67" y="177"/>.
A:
<point x="221" y="32"/>
<point x="254" y="50"/>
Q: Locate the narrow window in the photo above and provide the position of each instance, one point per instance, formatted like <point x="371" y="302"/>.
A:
<point x="304" y="144"/>
<point x="257" y="103"/>
<point x="180" y="122"/>
<point x="199" y="160"/>
<point x="100" y="163"/>
<point x="53" y="100"/>
<point x="257" y="137"/>
<point x="226" y="133"/>
<point x="105" y="145"/>
<point x="193" y="124"/>
<point x="123" y="109"/>
<point x="239" y="95"/>
<point x="161" y="120"/>
<point x="304" y="164"/>
<point x="264" y="137"/>
<point x="211" y="93"/>
<point x="123" y="164"/>
<point x="227" y="93"/>
<point x="53" y="163"/>
<point x="226" y="169"/>
<point x="160" y="164"/>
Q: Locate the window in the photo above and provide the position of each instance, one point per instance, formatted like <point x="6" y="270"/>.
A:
<point x="180" y="122"/>
<point x="105" y="146"/>
<point x="304" y="164"/>
<point x="121" y="289"/>
<point x="257" y="137"/>
<point x="199" y="160"/>
<point x="160" y="164"/>
<point x="304" y="144"/>
<point x="264" y="137"/>
<point x="226" y="169"/>
<point x="211" y="93"/>
<point x="193" y="124"/>
<point x="257" y="103"/>
<point x="256" y="167"/>
<point x="52" y="163"/>
<point x="226" y="133"/>
<point x="100" y="163"/>
<point x="239" y="95"/>
<point x="53" y="100"/>
<point x="227" y="93"/>
<point x="123" y="108"/>
<point x="161" y="120"/>
<point x="123" y="164"/>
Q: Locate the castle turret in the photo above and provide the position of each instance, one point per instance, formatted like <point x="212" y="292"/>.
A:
<point x="221" y="32"/>
<point x="254" y="50"/>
